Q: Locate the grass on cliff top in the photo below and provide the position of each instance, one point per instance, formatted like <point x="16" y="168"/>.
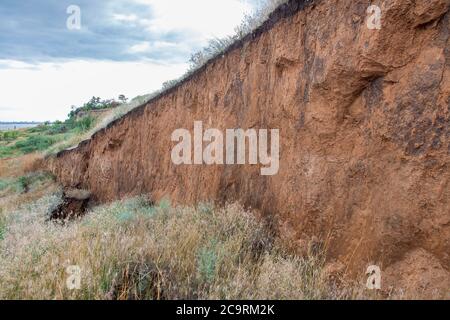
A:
<point x="42" y="138"/>
<point x="133" y="250"/>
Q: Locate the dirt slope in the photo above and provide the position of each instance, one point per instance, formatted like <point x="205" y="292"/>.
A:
<point x="364" y="132"/>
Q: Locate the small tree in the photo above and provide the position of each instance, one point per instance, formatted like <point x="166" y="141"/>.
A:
<point x="169" y="84"/>
<point x="94" y="103"/>
<point x="123" y="99"/>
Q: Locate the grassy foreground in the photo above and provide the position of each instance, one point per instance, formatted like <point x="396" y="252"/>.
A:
<point x="132" y="249"/>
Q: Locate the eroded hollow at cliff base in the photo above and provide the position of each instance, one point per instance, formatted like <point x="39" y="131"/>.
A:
<point x="75" y="203"/>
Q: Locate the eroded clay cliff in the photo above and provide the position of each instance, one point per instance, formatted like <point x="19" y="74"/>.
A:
<point x="364" y="132"/>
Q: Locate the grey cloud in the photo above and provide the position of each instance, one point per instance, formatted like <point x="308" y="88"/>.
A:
<point x="35" y="31"/>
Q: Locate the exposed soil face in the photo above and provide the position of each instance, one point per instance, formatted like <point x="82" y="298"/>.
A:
<point x="364" y="135"/>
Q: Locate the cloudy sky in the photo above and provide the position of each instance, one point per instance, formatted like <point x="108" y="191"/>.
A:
<point x="123" y="47"/>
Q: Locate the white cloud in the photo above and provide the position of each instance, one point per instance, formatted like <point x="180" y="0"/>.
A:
<point x="207" y="18"/>
<point x="145" y="46"/>
<point x="125" y="17"/>
<point x="140" y="47"/>
<point x="47" y="91"/>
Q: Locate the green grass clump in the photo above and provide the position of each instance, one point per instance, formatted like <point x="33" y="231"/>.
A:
<point x="2" y="228"/>
<point x="80" y="125"/>
<point x="35" y="143"/>
<point x="6" y="152"/>
<point x="3" y="184"/>
<point x="207" y="262"/>
<point x="43" y="137"/>
<point x="84" y="124"/>
<point x="2" y="224"/>
<point x="6" y="184"/>
<point x="9" y="136"/>
<point x="24" y="183"/>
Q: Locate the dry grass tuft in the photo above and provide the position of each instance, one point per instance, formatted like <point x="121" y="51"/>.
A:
<point x="19" y="166"/>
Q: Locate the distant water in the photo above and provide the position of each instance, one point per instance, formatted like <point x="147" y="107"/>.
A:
<point x="16" y="126"/>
